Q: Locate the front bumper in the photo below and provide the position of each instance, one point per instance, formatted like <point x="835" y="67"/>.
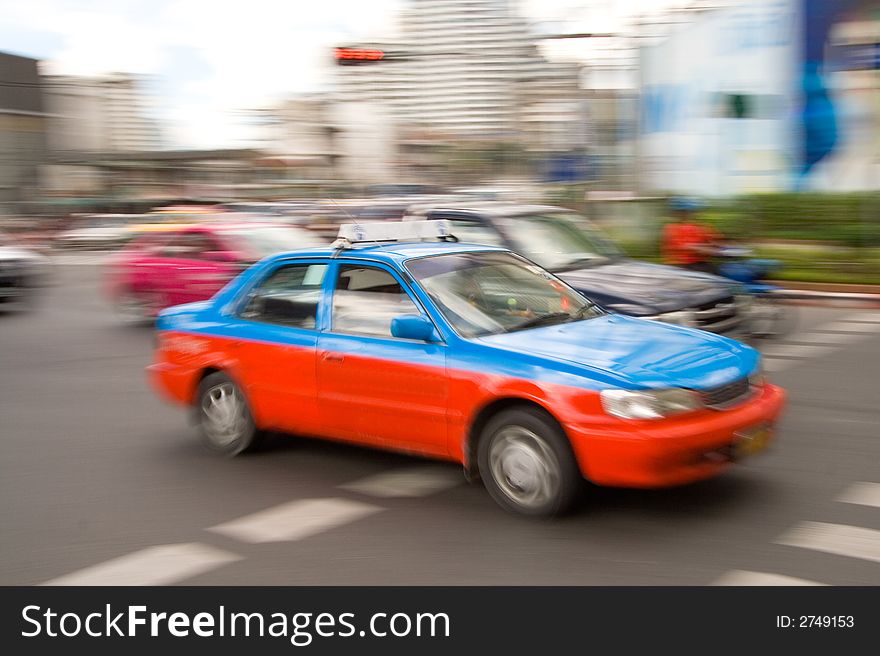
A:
<point x="661" y="453"/>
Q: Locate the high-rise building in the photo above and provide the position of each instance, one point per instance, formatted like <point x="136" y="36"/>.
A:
<point x="460" y="68"/>
<point x="106" y="114"/>
<point x="22" y="129"/>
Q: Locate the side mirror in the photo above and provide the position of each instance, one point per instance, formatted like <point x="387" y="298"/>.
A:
<point x="413" y="326"/>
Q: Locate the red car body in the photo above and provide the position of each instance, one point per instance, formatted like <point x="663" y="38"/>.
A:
<point x="187" y="263"/>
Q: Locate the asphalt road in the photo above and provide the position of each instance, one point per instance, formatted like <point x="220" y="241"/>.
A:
<point x="101" y="482"/>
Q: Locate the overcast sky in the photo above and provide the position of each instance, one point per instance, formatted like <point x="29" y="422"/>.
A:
<point x="208" y="60"/>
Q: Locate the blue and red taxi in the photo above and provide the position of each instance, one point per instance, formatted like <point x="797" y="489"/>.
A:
<point x="466" y="353"/>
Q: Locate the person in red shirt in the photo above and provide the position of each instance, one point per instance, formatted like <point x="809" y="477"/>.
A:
<point x="687" y="242"/>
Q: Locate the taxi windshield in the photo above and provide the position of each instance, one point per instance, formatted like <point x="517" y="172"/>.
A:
<point x="560" y="241"/>
<point x="274" y="239"/>
<point x="490" y="293"/>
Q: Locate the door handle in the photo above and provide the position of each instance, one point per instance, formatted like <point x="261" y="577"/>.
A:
<point x="332" y="356"/>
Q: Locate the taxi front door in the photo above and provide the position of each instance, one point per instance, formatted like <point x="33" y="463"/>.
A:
<point x="374" y="388"/>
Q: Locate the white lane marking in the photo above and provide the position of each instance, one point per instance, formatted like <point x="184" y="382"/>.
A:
<point x="839" y="539"/>
<point x="866" y="317"/>
<point x="745" y="577"/>
<point x="848" y="327"/>
<point x="820" y="338"/>
<point x="160" y="565"/>
<point x="295" y="520"/>
<point x="795" y="351"/>
<point x="865" y="494"/>
<point x="410" y="482"/>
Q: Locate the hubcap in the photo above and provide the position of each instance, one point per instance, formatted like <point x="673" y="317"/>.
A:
<point x="524" y="467"/>
<point x="224" y="414"/>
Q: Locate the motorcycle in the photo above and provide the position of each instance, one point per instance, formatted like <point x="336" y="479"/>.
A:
<point x="769" y="316"/>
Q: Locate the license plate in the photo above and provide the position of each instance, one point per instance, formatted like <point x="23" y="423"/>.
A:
<point x="752" y="440"/>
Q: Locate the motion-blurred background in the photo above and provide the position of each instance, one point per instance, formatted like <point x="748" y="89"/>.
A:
<point x="769" y="108"/>
<point x="192" y="137"/>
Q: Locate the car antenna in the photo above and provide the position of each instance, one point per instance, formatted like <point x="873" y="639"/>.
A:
<point x="344" y="211"/>
<point x="340" y="245"/>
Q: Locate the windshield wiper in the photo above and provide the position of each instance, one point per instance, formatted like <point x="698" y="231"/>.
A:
<point x="541" y="319"/>
<point x="580" y="263"/>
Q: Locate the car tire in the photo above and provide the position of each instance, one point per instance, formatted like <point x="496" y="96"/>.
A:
<point x="526" y="463"/>
<point x="224" y="416"/>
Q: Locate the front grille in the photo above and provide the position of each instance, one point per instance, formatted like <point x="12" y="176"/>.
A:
<point x="717" y="316"/>
<point x="724" y="396"/>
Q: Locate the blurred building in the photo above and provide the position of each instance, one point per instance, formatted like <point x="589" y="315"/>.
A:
<point x="300" y="127"/>
<point x="226" y="174"/>
<point x="365" y="141"/>
<point x="106" y="113"/>
<point x="464" y="69"/>
<point x="553" y="121"/>
<point x="764" y="96"/>
<point x="22" y="128"/>
<point x="319" y="136"/>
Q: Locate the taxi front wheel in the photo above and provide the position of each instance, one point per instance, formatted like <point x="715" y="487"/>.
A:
<point x="225" y="419"/>
<point x="527" y="465"/>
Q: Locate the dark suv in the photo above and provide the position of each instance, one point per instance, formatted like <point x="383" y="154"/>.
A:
<point x="573" y="248"/>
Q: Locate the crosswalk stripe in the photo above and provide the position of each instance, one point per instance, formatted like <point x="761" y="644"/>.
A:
<point x="748" y="578"/>
<point x="865" y="317"/>
<point x="295" y="520"/>
<point x="410" y="482"/>
<point x="839" y="539"/>
<point x="160" y="565"/>
<point x="866" y="494"/>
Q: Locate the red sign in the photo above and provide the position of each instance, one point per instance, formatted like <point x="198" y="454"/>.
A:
<point x="358" y="55"/>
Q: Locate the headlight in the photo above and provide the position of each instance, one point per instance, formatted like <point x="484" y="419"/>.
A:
<point x="649" y="404"/>
<point x="679" y="318"/>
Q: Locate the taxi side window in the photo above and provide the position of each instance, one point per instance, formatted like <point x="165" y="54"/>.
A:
<point x="289" y="296"/>
<point x="366" y="299"/>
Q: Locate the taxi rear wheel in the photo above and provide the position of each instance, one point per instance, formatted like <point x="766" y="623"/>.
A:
<point x="224" y="416"/>
<point x="527" y="465"/>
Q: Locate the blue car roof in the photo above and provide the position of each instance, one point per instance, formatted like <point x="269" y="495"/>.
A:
<point x="391" y="253"/>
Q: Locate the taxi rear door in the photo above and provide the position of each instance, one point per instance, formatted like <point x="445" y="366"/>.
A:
<point x="276" y="335"/>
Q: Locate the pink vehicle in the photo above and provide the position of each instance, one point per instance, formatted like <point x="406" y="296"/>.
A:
<point x="191" y="263"/>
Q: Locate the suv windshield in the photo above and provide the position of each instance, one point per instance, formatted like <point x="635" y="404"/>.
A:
<point x="559" y="241"/>
<point x="489" y="293"/>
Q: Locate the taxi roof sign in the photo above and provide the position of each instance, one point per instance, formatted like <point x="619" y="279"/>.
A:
<point x="385" y="231"/>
